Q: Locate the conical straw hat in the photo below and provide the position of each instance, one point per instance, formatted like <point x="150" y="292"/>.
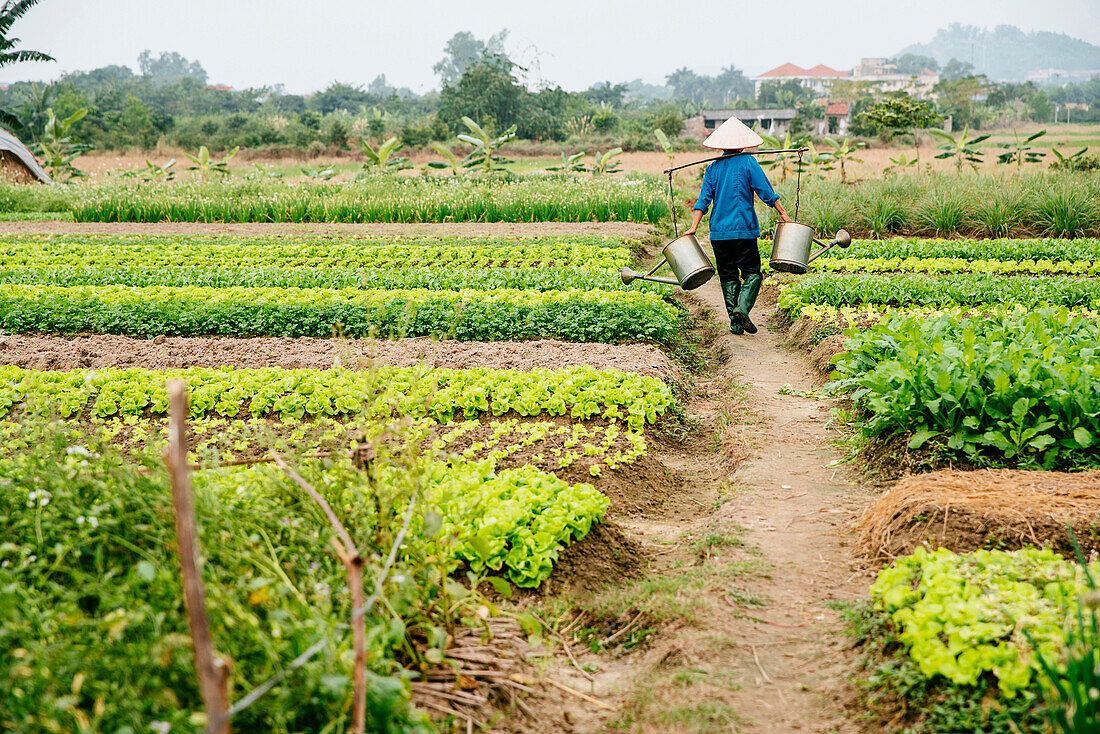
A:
<point x="733" y="135"/>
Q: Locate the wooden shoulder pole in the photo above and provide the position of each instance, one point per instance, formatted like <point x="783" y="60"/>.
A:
<point x="212" y="670"/>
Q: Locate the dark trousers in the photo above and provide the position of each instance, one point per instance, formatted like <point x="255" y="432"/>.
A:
<point x="734" y="259"/>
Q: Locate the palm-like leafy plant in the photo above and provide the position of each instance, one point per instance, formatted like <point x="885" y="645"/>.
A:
<point x="1021" y="151"/>
<point x="842" y="153"/>
<point x="570" y="163"/>
<point x="484" y="155"/>
<point x="11" y="11"/>
<point x="57" y="147"/>
<point x="961" y="149"/>
<point x="205" y="165"/>
<point x="605" y="162"/>
<point x="783" y="161"/>
<point x="452" y="162"/>
<point x="382" y="159"/>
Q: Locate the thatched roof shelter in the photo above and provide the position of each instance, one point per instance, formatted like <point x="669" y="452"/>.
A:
<point x="17" y="164"/>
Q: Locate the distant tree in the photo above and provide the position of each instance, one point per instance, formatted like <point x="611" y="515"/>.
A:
<point x="732" y="84"/>
<point x="787" y="93"/>
<point x="169" y="65"/>
<point x="545" y="115"/>
<point x="956" y="97"/>
<point x="900" y="114"/>
<point x="340" y="96"/>
<point x="487" y="92"/>
<point x="914" y="63"/>
<point x="463" y="50"/>
<point x="379" y="87"/>
<point x="11" y="11"/>
<point x="955" y="69"/>
<point x="700" y="89"/>
<point x="1041" y="106"/>
<point x="606" y="93"/>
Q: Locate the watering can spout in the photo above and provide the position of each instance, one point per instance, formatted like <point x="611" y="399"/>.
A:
<point x="686" y="259"/>
<point x="842" y="238"/>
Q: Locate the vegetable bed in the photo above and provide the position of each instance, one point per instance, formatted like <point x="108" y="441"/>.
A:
<point x="602" y="316"/>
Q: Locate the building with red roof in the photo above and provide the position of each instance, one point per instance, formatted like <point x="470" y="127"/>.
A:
<point x="817" y="78"/>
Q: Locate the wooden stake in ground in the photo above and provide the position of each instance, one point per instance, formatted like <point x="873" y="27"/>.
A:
<point x="212" y="670"/>
<point x="349" y="555"/>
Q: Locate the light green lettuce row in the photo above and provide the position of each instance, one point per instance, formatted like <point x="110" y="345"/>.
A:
<point x="131" y="394"/>
<point x="963" y="616"/>
<point x="349" y="254"/>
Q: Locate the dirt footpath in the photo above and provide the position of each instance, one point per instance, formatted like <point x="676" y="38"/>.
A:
<point x="97" y="351"/>
<point x="628" y="230"/>
<point x="751" y="555"/>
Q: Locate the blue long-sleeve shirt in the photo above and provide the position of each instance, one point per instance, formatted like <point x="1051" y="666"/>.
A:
<point x="729" y="184"/>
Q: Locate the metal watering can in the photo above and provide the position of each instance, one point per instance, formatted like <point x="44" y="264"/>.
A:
<point x="791" y="247"/>
<point x="689" y="263"/>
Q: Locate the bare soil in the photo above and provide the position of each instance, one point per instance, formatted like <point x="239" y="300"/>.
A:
<point x="627" y="230"/>
<point x="97" y="351"/>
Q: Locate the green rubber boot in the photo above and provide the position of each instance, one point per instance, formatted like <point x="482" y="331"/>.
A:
<point x="730" y="292"/>
<point x="746" y="299"/>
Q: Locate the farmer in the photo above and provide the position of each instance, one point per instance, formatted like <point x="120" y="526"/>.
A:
<point x="729" y="184"/>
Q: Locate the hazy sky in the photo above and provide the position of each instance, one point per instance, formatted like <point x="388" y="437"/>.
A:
<point x="305" y="44"/>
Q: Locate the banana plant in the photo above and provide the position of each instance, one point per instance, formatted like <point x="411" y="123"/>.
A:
<point x="961" y="149"/>
<point x="1021" y="152"/>
<point x="319" y="174"/>
<point x="572" y="163"/>
<point x="666" y="146"/>
<point x="813" y="163"/>
<point x="57" y="147"/>
<point x="382" y="159"/>
<point x="484" y="155"/>
<point x="451" y="161"/>
<point x="782" y="161"/>
<point x="843" y="154"/>
<point x="1069" y="162"/>
<point x="898" y="164"/>
<point x="152" y="172"/>
<point x="605" y="162"/>
<point x="205" y="165"/>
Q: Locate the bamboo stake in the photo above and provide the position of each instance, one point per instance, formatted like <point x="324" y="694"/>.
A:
<point x="349" y="556"/>
<point x="212" y="670"/>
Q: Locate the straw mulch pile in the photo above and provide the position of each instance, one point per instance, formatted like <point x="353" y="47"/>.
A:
<point x="994" y="509"/>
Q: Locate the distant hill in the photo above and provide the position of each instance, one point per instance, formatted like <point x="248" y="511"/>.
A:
<point x="1006" y="53"/>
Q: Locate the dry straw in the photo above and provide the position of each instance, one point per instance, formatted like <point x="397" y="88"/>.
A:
<point x="968" y="510"/>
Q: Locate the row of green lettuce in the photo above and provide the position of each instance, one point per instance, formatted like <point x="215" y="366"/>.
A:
<point x="336" y="278"/>
<point x="1055" y="250"/>
<point x="907" y="290"/>
<point x="87" y="564"/>
<point x="989" y="641"/>
<point x="155" y="250"/>
<point x="492" y="315"/>
<point x="580" y="392"/>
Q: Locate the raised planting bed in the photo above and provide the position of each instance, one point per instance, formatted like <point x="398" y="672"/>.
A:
<point x="580" y="392"/>
<point x="1011" y="388"/>
<point x="607" y="316"/>
<point x="965" y="511"/>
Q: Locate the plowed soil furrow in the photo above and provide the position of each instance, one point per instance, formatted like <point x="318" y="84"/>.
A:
<point x="97" y="351"/>
<point x="627" y="230"/>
